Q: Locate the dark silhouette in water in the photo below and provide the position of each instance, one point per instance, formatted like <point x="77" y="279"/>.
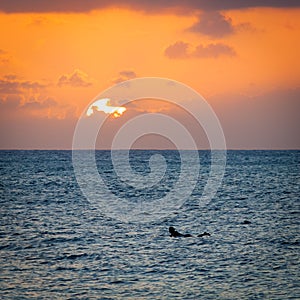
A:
<point x="174" y="233"/>
<point x="246" y="222"/>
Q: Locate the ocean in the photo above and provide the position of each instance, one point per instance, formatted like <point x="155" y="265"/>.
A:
<point x="56" y="244"/>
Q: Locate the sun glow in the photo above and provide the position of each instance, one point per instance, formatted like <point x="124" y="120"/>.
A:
<point x="103" y="105"/>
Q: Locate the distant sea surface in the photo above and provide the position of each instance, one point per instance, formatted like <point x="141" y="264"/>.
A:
<point x="55" y="245"/>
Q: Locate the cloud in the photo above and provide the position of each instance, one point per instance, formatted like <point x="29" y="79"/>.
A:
<point x="124" y="75"/>
<point x="213" y="24"/>
<point x="29" y="99"/>
<point x="181" y="50"/>
<point x="214" y="50"/>
<point x="178" y="50"/>
<point x="75" y="79"/>
<point x="10" y="102"/>
<point x="150" y="6"/>
<point x="18" y="96"/>
<point x="128" y="74"/>
<point x="10" y="84"/>
<point x="14" y="102"/>
<point x="37" y="105"/>
<point x="4" y="57"/>
<point x="17" y="107"/>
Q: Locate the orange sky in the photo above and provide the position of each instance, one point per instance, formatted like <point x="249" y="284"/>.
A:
<point x="244" y="61"/>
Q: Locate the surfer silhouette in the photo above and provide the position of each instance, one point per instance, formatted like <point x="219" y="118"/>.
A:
<point x="174" y="233"/>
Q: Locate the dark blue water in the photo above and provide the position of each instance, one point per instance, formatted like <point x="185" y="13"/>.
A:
<point x="54" y="244"/>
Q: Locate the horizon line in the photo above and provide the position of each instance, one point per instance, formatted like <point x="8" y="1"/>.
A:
<point x="150" y="149"/>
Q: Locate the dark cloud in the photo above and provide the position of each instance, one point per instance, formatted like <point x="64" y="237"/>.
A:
<point x="124" y="75"/>
<point x="10" y="84"/>
<point x="181" y="50"/>
<point x="75" y="79"/>
<point x="214" y="50"/>
<point x="178" y="50"/>
<point x="151" y="6"/>
<point x="213" y="24"/>
<point x="216" y="25"/>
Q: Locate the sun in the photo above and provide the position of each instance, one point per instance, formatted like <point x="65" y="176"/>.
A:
<point x="103" y="105"/>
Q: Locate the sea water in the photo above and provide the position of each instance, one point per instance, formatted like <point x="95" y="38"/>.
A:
<point x="55" y="244"/>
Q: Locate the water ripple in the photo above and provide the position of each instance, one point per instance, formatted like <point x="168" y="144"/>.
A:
<point x="53" y="245"/>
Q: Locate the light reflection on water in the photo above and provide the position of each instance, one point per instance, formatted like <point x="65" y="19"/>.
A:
<point x="55" y="245"/>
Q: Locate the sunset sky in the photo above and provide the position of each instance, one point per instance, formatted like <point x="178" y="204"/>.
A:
<point x="242" y="57"/>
